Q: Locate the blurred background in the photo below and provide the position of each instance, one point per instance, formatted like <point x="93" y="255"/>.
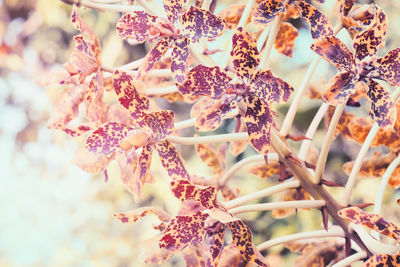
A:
<point x="55" y="214"/>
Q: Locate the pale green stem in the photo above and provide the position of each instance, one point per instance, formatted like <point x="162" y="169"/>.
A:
<point x="263" y="36"/>
<point x="351" y="259"/>
<point x="262" y="193"/>
<point x="271" y="39"/>
<point x="352" y="180"/>
<point x="208" y="139"/>
<point x="191" y="122"/>
<point x="319" y="171"/>
<point x="296" y="204"/>
<point x="110" y="7"/>
<point x="332" y="232"/>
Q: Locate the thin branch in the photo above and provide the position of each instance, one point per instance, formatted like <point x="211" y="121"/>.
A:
<point x="332" y="232"/>
<point x="312" y="129"/>
<point x="130" y="66"/>
<point x="253" y="159"/>
<point x="262" y="193"/>
<point x="288" y="121"/>
<point x="263" y="37"/>
<point x="161" y="91"/>
<point x="352" y="180"/>
<point x="191" y="122"/>
<point x="351" y="259"/>
<point x="319" y="171"/>
<point x="271" y="39"/>
<point x="296" y="204"/>
<point x="110" y="7"/>
<point x="208" y="139"/>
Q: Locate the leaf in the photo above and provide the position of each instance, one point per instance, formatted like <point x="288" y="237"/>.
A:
<point x="184" y="231"/>
<point x="366" y="43"/>
<point x="180" y="54"/>
<point x="316" y="252"/>
<point x="258" y="120"/>
<point x="284" y="41"/>
<point x="211" y="118"/>
<point x="269" y="88"/>
<point x="153" y="56"/>
<point x="198" y="23"/>
<point x="244" y="53"/>
<point x="207" y="81"/>
<point x="106" y="139"/>
<point x="161" y="124"/>
<point x="209" y="156"/>
<point x="265" y="12"/>
<point x="382" y="106"/>
<point x="290" y="195"/>
<point x="135" y="26"/>
<point x="265" y="171"/>
<point x="319" y="23"/>
<point x="242" y="239"/>
<point x="232" y="15"/>
<point x="387" y="68"/>
<point x="335" y="52"/>
<point x="133" y="216"/>
<point x="383" y="260"/>
<point x="172" y="160"/>
<point x="173" y="8"/>
<point x="128" y="96"/>
<point x="204" y="196"/>
<point x="340" y="88"/>
<point x="372" y="221"/>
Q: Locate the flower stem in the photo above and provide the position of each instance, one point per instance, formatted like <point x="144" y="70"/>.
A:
<point x="191" y="122"/>
<point x="296" y="204"/>
<point x="109" y="7"/>
<point x="351" y="259"/>
<point x="332" y="232"/>
<point x="319" y="171"/>
<point x="262" y="193"/>
<point x="208" y="139"/>
<point x="271" y="39"/>
<point x="352" y="180"/>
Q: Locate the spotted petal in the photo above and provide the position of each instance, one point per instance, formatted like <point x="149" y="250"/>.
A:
<point x="284" y="42"/>
<point x="265" y="171"/>
<point x="171" y="160"/>
<point x="84" y="28"/>
<point x="135" y="26"/>
<point x="384" y="260"/>
<point x="106" y="139"/>
<point x="258" y="120"/>
<point x="319" y="23"/>
<point x="216" y="240"/>
<point x="242" y="239"/>
<point x="142" y="170"/>
<point x="161" y="123"/>
<point x="202" y="80"/>
<point x="372" y="221"/>
<point x="133" y="216"/>
<point x="340" y="88"/>
<point x="173" y="8"/>
<point x="184" y="231"/>
<point x="209" y="156"/>
<point x="199" y="23"/>
<point x="180" y="54"/>
<point x="244" y="53"/>
<point x="366" y="43"/>
<point x="382" y="110"/>
<point x="269" y="88"/>
<point x="204" y="196"/>
<point x="153" y="56"/>
<point x="335" y="52"/>
<point x="265" y="12"/>
<point x="232" y="15"/>
<point x="388" y="68"/>
<point x="127" y="94"/>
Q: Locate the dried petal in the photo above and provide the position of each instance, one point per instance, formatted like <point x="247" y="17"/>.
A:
<point x="135" y="26"/>
<point x="265" y="12"/>
<point x="209" y="156"/>
<point x="180" y="54"/>
<point x="199" y="23"/>
<point x="153" y="56"/>
<point x="202" y="80"/>
<point x="284" y="41"/>
<point x="127" y="94"/>
<point x="184" y="231"/>
<point x="319" y="23"/>
<point x="269" y="88"/>
<point x="133" y="216"/>
<point x="335" y="52"/>
<point x="204" y="196"/>
<point x="242" y="239"/>
<point x="171" y="160"/>
<point x="340" y="88"/>
<point x="106" y="139"/>
<point x="382" y="106"/>
<point x="244" y="53"/>
<point x="366" y="43"/>
<point x="372" y="221"/>
<point x="258" y="120"/>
